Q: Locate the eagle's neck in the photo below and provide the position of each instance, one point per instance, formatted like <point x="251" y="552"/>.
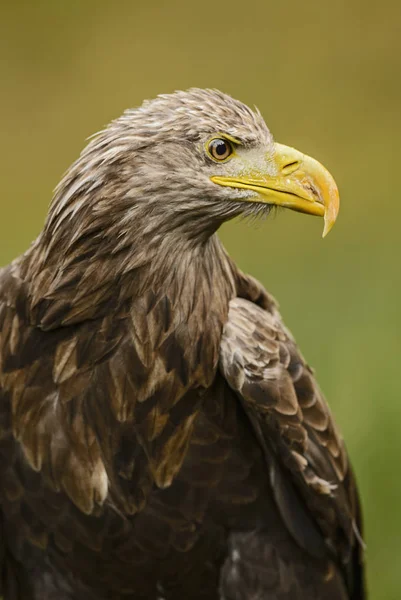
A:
<point x="67" y="289"/>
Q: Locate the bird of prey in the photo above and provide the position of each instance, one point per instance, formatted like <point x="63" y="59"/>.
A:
<point x="161" y="436"/>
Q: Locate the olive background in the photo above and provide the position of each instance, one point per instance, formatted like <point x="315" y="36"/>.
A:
<point x="327" y="78"/>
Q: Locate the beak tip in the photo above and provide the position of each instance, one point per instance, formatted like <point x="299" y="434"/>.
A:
<point x="331" y="212"/>
<point x="328" y="225"/>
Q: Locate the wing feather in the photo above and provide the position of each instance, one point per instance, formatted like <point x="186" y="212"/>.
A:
<point x="306" y="457"/>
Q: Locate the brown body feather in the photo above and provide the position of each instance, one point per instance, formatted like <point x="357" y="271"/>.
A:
<point x="160" y="434"/>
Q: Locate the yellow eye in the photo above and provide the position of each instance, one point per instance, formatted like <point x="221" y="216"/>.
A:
<point x="220" y="149"/>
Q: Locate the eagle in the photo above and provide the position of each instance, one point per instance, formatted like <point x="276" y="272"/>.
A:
<point x="161" y="435"/>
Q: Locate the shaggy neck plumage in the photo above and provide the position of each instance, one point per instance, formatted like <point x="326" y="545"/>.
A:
<point x="97" y="274"/>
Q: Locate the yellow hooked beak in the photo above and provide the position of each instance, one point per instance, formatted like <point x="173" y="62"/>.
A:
<point x="298" y="182"/>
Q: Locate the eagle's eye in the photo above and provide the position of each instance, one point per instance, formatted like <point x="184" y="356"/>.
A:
<point x="220" y="149"/>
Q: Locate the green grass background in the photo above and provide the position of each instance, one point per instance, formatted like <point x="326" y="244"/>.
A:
<point x="327" y="77"/>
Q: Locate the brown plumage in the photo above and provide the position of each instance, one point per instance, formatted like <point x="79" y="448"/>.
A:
<point x="161" y="436"/>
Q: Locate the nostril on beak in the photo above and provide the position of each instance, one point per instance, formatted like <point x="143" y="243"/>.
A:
<point x="290" y="167"/>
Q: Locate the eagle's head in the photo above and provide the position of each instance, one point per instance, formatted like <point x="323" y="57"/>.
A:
<point x="181" y="165"/>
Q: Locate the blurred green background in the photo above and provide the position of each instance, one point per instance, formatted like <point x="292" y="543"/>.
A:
<point x="327" y="77"/>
